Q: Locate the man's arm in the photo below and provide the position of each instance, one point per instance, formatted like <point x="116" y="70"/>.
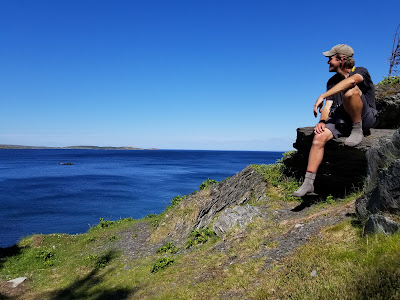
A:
<point x="342" y="86"/>
<point x="320" y="127"/>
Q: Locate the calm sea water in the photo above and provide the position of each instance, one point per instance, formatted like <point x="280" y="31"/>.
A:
<point x="38" y="195"/>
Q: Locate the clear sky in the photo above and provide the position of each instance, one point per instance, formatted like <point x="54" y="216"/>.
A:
<point x="187" y="74"/>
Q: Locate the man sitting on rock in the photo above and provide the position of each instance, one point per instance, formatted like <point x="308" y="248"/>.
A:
<point x="349" y="109"/>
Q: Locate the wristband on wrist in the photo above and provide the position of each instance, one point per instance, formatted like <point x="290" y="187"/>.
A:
<point x="322" y="121"/>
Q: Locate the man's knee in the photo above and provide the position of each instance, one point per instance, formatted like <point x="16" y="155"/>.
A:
<point x="352" y="93"/>
<point x="321" y="139"/>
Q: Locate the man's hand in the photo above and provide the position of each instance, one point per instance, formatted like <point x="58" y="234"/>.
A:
<point x="318" y="104"/>
<point x="319" y="128"/>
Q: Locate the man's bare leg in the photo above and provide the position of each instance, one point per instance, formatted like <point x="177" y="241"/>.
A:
<point x="314" y="160"/>
<point x="353" y="105"/>
<point x="317" y="150"/>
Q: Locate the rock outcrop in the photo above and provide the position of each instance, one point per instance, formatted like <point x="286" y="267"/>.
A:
<point x="223" y="204"/>
<point x="388" y="106"/>
<point x="382" y="188"/>
<point x="343" y="169"/>
<point x="236" y="190"/>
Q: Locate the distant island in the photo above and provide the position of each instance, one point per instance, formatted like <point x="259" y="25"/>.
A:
<point x="2" y="146"/>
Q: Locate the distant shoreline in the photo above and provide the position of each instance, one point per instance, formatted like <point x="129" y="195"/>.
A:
<point x="2" y="146"/>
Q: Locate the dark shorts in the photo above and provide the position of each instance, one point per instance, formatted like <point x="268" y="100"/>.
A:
<point x="340" y="124"/>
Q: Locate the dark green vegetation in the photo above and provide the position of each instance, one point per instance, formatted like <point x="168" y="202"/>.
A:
<point x="338" y="263"/>
<point x="176" y="200"/>
<point x="106" y="223"/>
<point x="199" y="236"/>
<point x="161" y="264"/>
<point x="168" y="248"/>
<point x="390" y="81"/>
<point x="205" y="184"/>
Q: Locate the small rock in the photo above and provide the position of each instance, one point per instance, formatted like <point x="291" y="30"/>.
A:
<point x="17" y="281"/>
<point x="231" y="217"/>
<point x="314" y="273"/>
<point x="380" y="224"/>
<point x="298" y="225"/>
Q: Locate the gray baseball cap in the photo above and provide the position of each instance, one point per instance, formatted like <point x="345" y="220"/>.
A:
<point x="339" y="49"/>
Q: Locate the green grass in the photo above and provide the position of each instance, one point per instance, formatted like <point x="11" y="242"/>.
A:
<point x="279" y="186"/>
<point x="62" y="256"/>
<point x="347" y="265"/>
<point x="107" y="223"/>
<point x="155" y="219"/>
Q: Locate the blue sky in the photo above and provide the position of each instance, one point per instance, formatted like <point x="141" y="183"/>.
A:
<point x="227" y="75"/>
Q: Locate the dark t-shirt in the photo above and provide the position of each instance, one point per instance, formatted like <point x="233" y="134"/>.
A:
<point x="337" y="99"/>
<point x="366" y="86"/>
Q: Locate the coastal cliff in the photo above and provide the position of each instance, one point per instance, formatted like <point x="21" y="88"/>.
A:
<point x="245" y="237"/>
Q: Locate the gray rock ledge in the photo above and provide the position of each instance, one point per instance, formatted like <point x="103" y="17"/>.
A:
<point x="237" y="216"/>
<point x="343" y="168"/>
<point x="382" y="187"/>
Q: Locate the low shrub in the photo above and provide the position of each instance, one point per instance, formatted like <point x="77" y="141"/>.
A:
<point x="199" y="236"/>
<point x="176" y="200"/>
<point x="330" y="199"/>
<point x="205" y="184"/>
<point x="112" y="238"/>
<point x="45" y="256"/>
<point x="99" y="261"/>
<point x="154" y="219"/>
<point x="161" y="264"/>
<point x="107" y="223"/>
<point x="168" y="248"/>
<point x="390" y="80"/>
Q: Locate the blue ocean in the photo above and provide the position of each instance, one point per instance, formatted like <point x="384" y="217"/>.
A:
<point x="40" y="195"/>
